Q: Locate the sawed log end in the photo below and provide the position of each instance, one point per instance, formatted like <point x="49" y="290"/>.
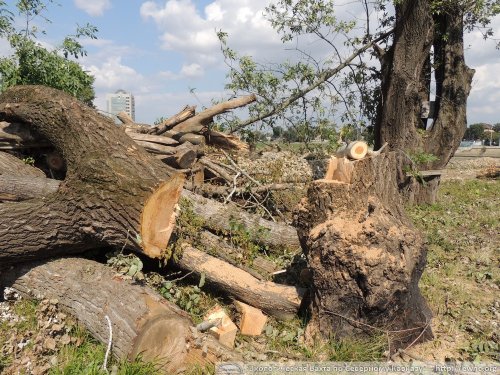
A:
<point x="158" y="216"/>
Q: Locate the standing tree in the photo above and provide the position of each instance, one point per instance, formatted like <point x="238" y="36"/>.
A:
<point x="413" y="41"/>
<point x="33" y="64"/>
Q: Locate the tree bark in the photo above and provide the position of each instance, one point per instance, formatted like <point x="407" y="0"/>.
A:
<point x="9" y="164"/>
<point x="365" y="256"/>
<point x="405" y="80"/>
<point x="110" y="186"/>
<point x="218" y="217"/>
<point x="196" y="123"/>
<point x="143" y="322"/>
<point x="277" y="300"/>
<point x="19" y="188"/>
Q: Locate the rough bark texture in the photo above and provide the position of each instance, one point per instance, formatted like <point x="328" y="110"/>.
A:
<point x="405" y="81"/>
<point x="142" y="321"/>
<point x="218" y="217"/>
<point x="365" y="256"/>
<point x="108" y="180"/>
<point x="13" y="166"/>
<point x="274" y="299"/>
<point x="15" y="188"/>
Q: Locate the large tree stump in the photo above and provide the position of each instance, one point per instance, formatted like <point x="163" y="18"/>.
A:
<point x="365" y="256"/>
<point x="114" y="192"/>
<point x="143" y="322"/>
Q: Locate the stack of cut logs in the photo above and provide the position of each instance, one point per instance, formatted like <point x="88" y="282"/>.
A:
<point x="177" y="141"/>
<point x="116" y="194"/>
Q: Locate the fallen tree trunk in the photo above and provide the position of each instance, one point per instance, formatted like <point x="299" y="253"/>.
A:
<point x="216" y="216"/>
<point x="9" y="164"/>
<point x="114" y="192"/>
<point x="277" y="300"/>
<point x="143" y="322"/>
<point x="169" y="123"/>
<point x="219" y="217"/>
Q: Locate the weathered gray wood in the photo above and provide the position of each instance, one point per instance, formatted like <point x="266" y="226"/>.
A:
<point x="143" y="322"/>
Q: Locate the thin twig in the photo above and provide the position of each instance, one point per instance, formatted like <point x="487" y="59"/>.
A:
<point x="110" y="342"/>
<point x="182" y="277"/>
<point x="243" y="172"/>
<point x="235" y="186"/>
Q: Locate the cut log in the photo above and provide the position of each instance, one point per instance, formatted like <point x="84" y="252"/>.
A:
<point x="143" y="322"/>
<point x="218" y="217"/>
<point x="11" y="165"/>
<point x="183" y="158"/>
<point x="108" y="181"/>
<point x="365" y="256"/>
<point x="355" y="150"/>
<point x="277" y="300"/>
<point x="156" y="148"/>
<point x="169" y="123"/>
<point x="226" y="141"/>
<point x="152" y="138"/>
<point x="195" y="139"/>
<point x="203" y="119"/>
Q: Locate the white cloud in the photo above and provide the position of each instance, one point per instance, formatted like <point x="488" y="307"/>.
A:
<point x="192" y="70"/>
<point x="93" y="7"/>
<point x="113" y="75"/>
<point x="192" y="32"/>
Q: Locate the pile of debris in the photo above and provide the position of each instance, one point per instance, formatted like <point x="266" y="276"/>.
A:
<point x="127" y="187"/>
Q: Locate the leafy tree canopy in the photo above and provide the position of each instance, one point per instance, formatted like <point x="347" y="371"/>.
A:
<point x="31" y="63"/>
<point x="340" y="81"/>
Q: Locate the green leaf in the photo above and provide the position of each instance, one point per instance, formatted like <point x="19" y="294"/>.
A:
<point x="202" y="280"/>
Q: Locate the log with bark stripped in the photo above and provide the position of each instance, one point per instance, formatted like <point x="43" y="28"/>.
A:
<point x="278" y="300"/>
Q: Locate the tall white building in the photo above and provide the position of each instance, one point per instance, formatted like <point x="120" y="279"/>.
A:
<point x="120" y="101"/>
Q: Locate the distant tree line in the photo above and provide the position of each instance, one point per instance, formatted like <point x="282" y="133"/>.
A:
<point x="483" y="132"/>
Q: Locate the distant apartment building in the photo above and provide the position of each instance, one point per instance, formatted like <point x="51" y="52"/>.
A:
<point x="120" y="101"/>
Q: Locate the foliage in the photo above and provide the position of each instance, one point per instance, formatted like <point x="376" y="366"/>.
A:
<point x="475" y="132"/>
<point x="188" y="298"/>
<point x="31" y="63"/>
<point x="419" y="159"/>
<point x="129" y="264"/>
<point x="240" y="236"/>
<point x="317" y="86"/>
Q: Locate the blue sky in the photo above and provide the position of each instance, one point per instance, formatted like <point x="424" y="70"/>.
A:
<point x="162" y="50"/>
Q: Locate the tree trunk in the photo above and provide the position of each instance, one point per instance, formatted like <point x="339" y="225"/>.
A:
<point x="365" y="256"/>
<point x="218" y="217"/>
<point x="405" y="80"/>
<point x="143" y="322"/>
<point x="112" y="189"/>
<point x="281" y="301"/>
